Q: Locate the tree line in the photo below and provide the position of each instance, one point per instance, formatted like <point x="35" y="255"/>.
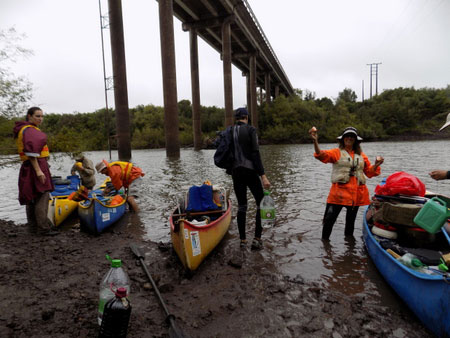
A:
<point x="394" y="114"/>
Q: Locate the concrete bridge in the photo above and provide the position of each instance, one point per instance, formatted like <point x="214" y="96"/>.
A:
<point x="228" y="26"/>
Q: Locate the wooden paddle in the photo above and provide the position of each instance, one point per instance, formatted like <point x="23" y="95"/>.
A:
<point x="199" y="213"/>
<point x="174" y="330"/>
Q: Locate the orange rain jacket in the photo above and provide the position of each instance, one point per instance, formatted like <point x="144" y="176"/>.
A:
<point x="349" y="194"/>
<point x="123" y="173"/>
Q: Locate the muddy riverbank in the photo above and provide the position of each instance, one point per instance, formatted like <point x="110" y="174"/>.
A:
<point x="49" y="287"/>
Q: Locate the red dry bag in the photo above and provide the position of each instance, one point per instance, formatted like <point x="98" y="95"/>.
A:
<point x="401" y="183"/>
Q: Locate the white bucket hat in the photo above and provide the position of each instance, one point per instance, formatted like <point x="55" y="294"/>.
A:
<point x="446" y="123"/>
<point x="100" y="166"/>
<point x="350" y="130"/>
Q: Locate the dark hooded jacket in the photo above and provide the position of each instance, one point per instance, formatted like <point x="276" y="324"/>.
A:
<point x="246" y="148"/>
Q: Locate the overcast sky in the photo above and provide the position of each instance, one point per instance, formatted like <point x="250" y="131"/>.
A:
<point x="323" y="45"/>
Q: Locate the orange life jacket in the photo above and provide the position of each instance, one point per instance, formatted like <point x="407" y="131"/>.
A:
<point x="19" y="141"/>
<point x="116" y="200"/>
<point x="128" y="173"/>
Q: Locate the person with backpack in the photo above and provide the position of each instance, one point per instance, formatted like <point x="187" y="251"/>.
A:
<point x="247" y="171"/>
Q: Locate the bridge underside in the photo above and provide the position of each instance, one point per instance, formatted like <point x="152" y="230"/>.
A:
<point x="247" y="38"/>
<point x="231" y="28"/>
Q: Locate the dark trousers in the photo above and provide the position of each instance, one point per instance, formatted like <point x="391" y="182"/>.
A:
<point x="37" y="212"/>
<point x="331" y="214"/>
<point x="243" y="178"/>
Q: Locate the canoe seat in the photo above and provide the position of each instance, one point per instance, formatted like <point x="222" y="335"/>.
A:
<point x="203" y="222"/>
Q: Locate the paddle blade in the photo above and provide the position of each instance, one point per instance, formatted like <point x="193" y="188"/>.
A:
<point x="136" y="251"/>
<point x="174" y="330"/>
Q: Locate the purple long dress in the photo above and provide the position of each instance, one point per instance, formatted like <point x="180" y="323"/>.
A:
<point x="29" y="185"/>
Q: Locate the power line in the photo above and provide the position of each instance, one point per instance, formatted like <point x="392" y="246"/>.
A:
<point x="426" y="16"/>
<point x="395" y="25"/>
<point x="403" y="30"/>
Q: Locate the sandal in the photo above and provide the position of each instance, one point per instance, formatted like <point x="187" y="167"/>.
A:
<point x="243" y="244"/>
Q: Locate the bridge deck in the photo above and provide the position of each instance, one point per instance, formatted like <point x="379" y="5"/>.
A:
<point x="247" y="36"/>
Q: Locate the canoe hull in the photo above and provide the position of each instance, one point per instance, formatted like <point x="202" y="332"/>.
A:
<point x="428" y="296"/>
<point x="59" y="207"/>
<point x="194" y="243"/>
<point x="96" y="217"/>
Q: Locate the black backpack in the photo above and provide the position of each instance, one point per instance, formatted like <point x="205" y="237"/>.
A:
<point x="223" y="157"/>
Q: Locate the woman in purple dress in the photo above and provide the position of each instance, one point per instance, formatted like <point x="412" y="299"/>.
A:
<point x="35" y="183"/>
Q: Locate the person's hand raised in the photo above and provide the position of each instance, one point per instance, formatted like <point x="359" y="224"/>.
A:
<point x="379" y="160"/>
<point x="313" y="133"/>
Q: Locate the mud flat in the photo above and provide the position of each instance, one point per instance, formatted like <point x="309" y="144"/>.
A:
<point x="49" y="288"/>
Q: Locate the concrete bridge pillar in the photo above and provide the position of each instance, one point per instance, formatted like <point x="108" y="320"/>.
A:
<point x="195" y="87"/>
<point x="267" y="84"/>
<point x="169" y="78"/>
<point x="277" y="91"/>
<point x="261" y="99"/>
<point x="249" y="99"/>
<point x="252" y="85"/>
<point x="227" y="78"/>
<point x="120" y="80"/>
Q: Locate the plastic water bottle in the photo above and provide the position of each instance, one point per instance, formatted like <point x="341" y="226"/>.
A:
<point x="267" y="211"/>
<point x="412" y="261"/>
<point x="114" y="279"/>
<point x="116" y="316"/>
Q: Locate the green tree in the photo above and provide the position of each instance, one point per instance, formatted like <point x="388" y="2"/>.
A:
<point x="347" y="95"/>
<point x="15" y="91"/>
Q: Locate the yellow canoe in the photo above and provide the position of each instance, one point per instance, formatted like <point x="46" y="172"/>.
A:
<point x="192" y="242"/>
<point x="59" y="208"/>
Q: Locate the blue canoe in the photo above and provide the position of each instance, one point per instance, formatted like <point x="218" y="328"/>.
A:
<point x="64" y="187"/>
<point x="428" y="296"/>
<point x="96" y="215"/>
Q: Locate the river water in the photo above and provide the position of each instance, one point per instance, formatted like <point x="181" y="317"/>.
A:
<point x="300" y="188"/>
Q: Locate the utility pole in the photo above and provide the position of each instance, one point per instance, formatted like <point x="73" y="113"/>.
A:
<point x="117" y="42"/>
<point x="376" y="78"/>
<point x="104" y="24"/>
<point x="374" y="71"/>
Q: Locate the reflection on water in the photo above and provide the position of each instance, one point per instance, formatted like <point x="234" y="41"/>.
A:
<point x="300" y="188"/>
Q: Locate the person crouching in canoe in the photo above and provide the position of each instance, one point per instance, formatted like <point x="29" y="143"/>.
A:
<point x="85" y="168"/>
<point x="123" y="174"/>
<point x="348" y="188"/>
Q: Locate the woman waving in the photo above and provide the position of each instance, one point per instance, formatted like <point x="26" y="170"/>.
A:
<point x="348" y="178"/>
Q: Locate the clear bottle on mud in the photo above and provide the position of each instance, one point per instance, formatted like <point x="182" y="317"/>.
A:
<point x="116" y="316"/>
<point x="114" y="279"/>
<point x="267" y="210"/>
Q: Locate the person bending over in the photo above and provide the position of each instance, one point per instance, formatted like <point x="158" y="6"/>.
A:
<point x="123" y="174"/>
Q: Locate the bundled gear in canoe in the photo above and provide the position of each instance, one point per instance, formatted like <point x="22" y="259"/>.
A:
<point x="201" y="199"/>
